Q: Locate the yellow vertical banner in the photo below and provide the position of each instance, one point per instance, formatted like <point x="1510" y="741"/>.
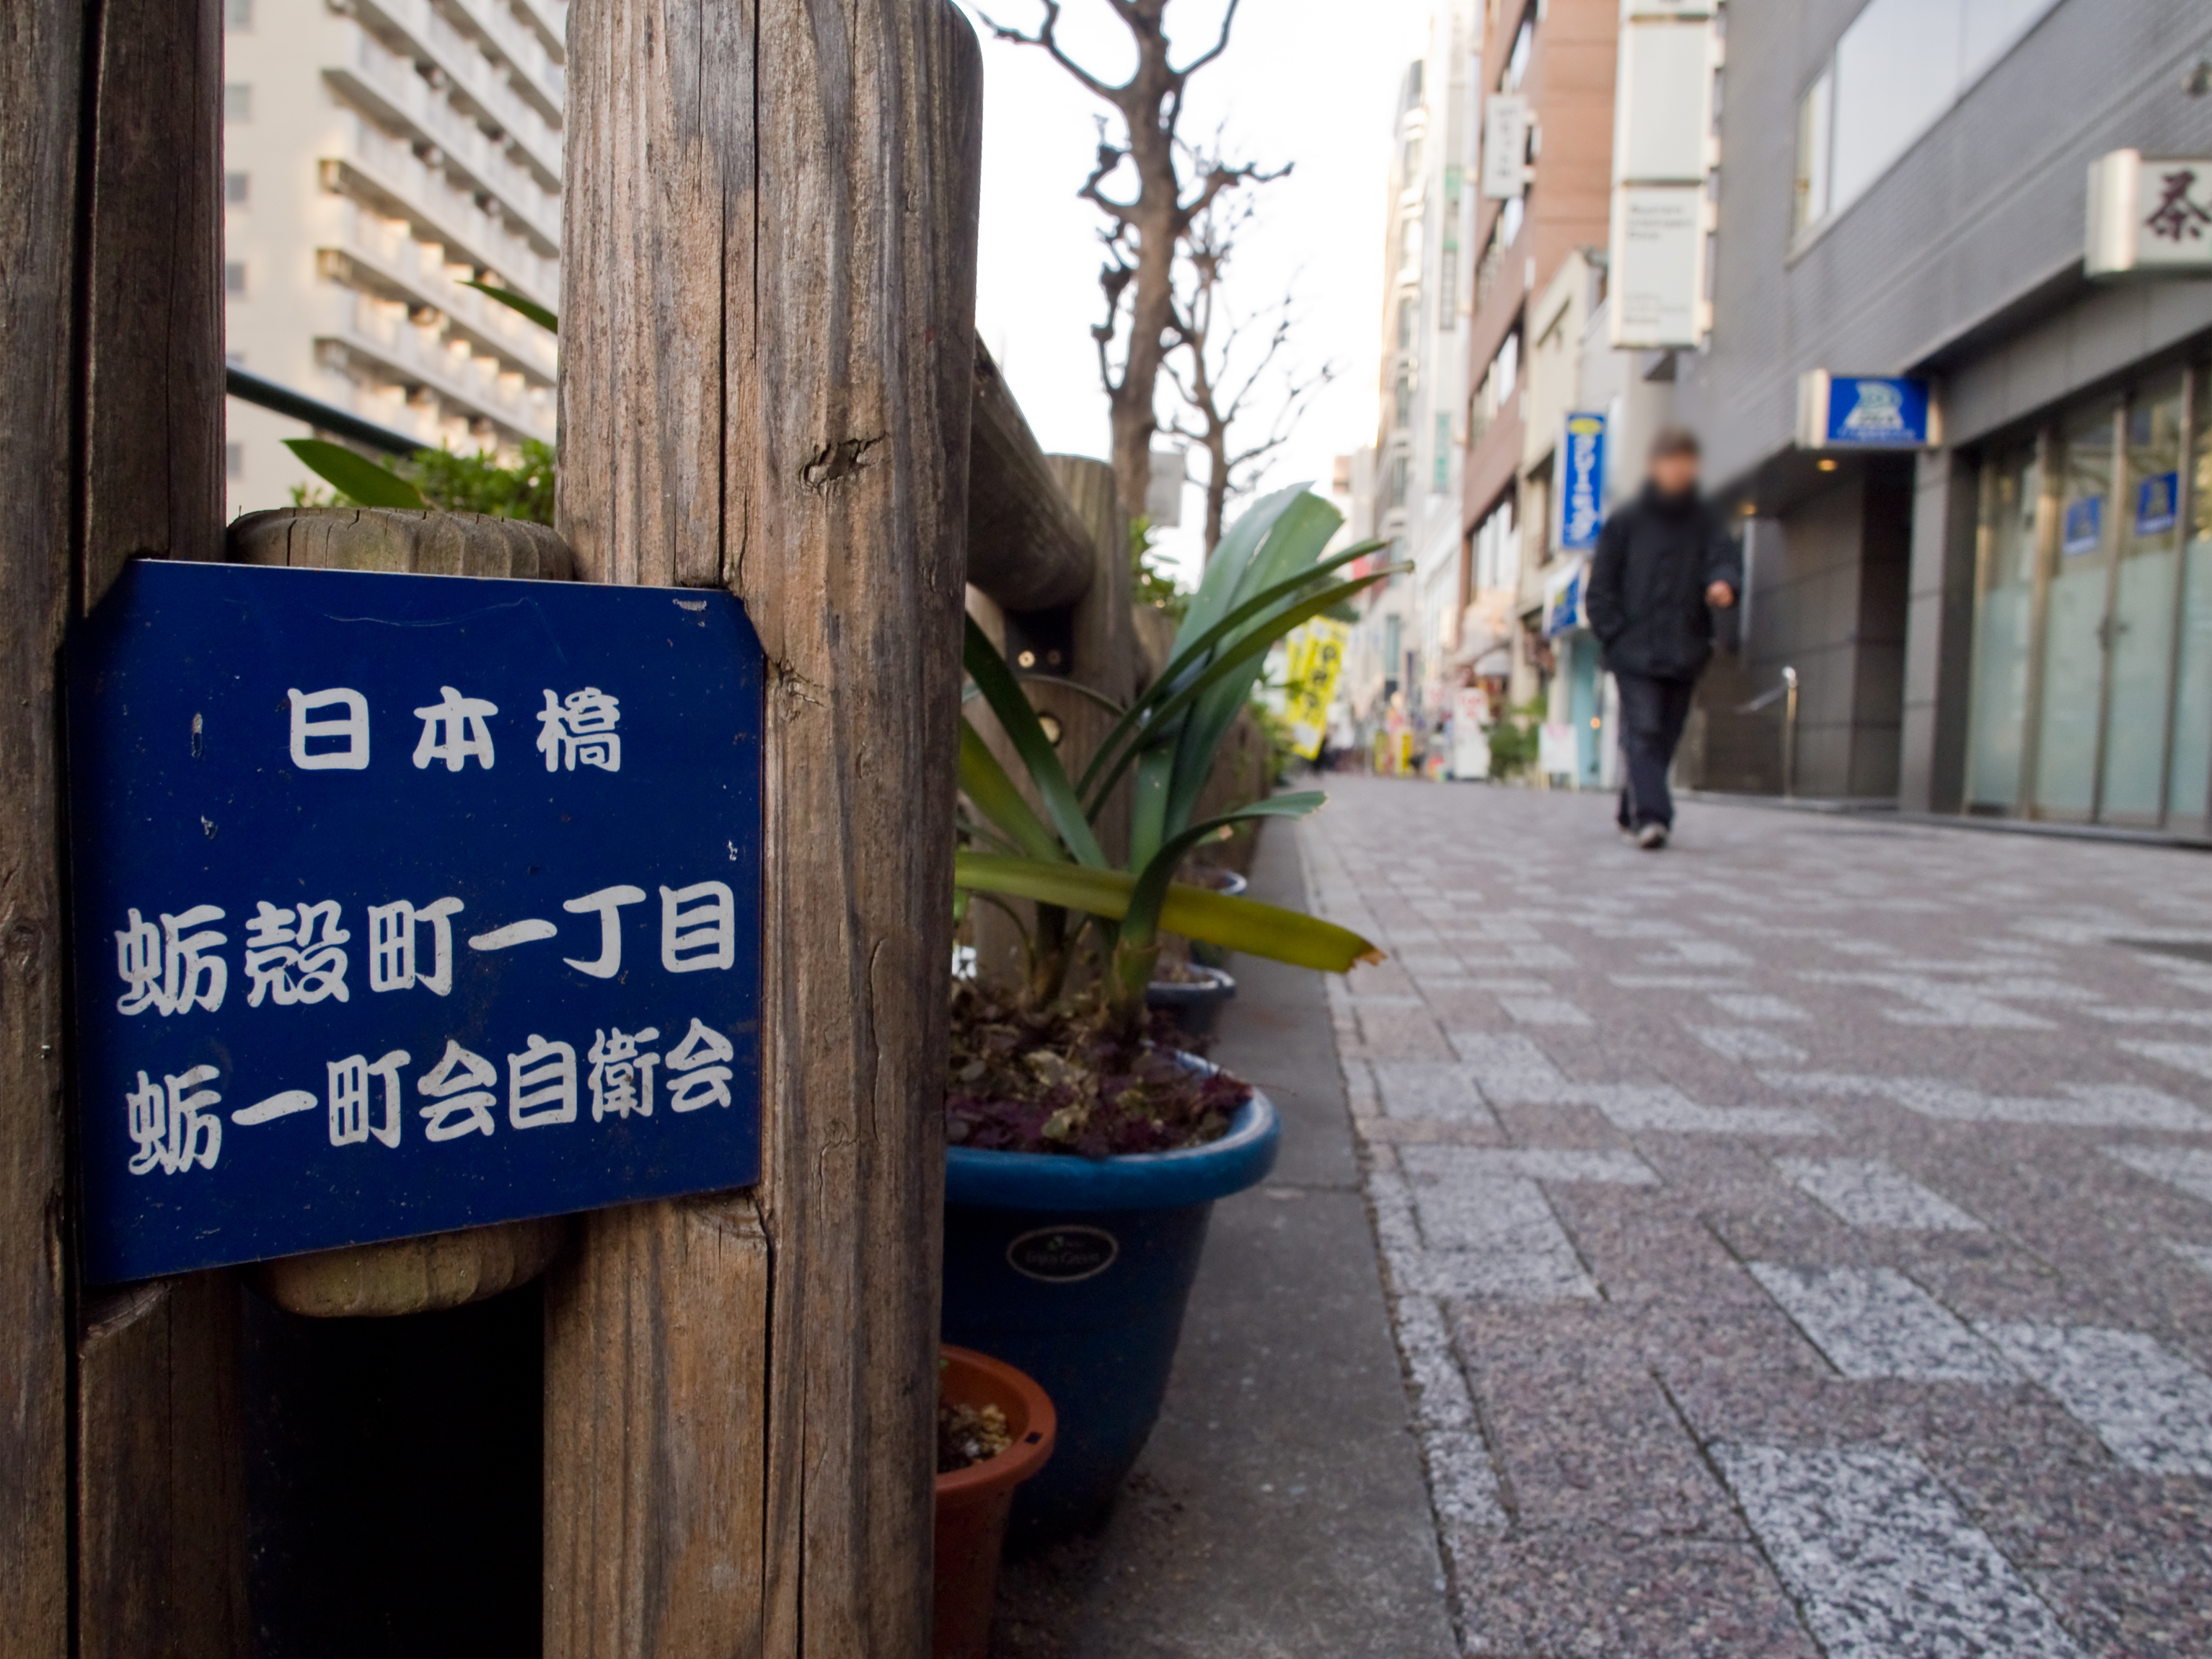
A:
<point x="1316" y="658"/>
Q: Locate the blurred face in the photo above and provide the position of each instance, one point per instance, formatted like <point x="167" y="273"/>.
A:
<point x="1675" y="474"/>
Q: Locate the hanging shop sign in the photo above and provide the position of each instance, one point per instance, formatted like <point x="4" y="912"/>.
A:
<point x="1658" y="276"/>
<point x="1564" y="599"/>
<point x="1316" y="659"/>
<point x="406" y="904"/>
<point x="1505" y="146"/>
<point x="1582" y="491"/>
<point x="1864" y="411"/>
<point x="2149" y="216"/>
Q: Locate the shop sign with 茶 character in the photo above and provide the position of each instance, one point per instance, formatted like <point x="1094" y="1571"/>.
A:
<point x="406" y="904"/>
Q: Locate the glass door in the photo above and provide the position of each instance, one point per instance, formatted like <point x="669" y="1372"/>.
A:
<point x="2189" y="788"/>
<point x="2004" y="609"/>
<point x="2139" y="626"/>
<point x="2074" y="618"/>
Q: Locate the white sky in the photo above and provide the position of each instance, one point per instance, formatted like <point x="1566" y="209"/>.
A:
<point x="1310" y="81"/>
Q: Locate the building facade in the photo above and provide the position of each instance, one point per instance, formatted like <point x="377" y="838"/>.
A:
<point x="2014" y="616"/>
<point x="378" y="154"/>
<point x="1412" y="484"/>
<point x="1539" y="273"/>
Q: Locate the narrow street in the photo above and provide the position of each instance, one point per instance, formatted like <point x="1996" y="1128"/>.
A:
<point x="1798" y="1242"/>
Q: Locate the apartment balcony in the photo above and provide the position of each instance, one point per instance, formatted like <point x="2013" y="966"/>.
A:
<point x="531" y="118"/>
<point x="388" y="88"/>
<point x="470" y="77"/>
<point x="533" y="70"/>
<point x="375" y="342"/>
<point x="379" y="258"/>
<point x="383" y="174"/>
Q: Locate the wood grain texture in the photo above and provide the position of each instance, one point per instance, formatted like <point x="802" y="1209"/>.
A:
<point x="40" y="74"/>
<point x="161" y="1484"/>
<point x="656" y="1457"/>
<point x="161" y="1524"/>
<point x="395" y="538"/>
<point x="1027" y="547"/>
<point x="153" y="388"/>
<point x="766" y="356"/>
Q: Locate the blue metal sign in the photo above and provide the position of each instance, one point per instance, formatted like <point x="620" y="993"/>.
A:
<point x="1875" y="412"/>
<point x="1582" y="488"/>
<point x="404" y="904"/>
<point x="2081" y="527"/>
<point x="2158" y="499"/>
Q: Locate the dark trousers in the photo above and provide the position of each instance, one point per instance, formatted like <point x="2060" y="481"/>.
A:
<point x="1652" y="712"/>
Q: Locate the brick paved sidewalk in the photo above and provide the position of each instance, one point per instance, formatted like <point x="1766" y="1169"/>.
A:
<point x="1800" y="1241"/>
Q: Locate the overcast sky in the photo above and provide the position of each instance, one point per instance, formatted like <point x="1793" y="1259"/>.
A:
<point x="1307" y="81"/>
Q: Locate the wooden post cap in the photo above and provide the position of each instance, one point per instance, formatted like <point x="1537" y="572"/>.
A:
<point x="422" y="542"/>
<point x="411" y="1275"/>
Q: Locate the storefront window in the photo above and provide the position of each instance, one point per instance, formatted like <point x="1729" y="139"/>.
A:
<point x="2192" y="703"/>
<point x="2073" y="618"/>
<point x="2141" y="632"/>
<point x="2012" y="491"/>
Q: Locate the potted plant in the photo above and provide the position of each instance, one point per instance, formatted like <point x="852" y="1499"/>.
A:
<point x="995" y="1430"/>
<point x="1083" y="1158"/>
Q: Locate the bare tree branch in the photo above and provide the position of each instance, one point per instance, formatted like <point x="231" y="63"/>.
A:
<point x="1228" y="19"/>
<point x="1146" y="230"/>
<point x="1048" y="37"/>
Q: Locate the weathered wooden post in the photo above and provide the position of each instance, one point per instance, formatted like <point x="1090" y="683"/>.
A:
<point x="766" y="349"/>
<point x="111" y="379"/>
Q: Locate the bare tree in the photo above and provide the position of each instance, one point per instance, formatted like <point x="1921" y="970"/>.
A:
<point x="1227" y="357"/>
<point x="1143" y="229"/>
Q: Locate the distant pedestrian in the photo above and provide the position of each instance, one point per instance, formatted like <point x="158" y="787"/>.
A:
<point x="1665" y="563"/>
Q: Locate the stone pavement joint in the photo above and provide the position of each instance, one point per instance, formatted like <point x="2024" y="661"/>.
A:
<point x="1797" y="1241"/>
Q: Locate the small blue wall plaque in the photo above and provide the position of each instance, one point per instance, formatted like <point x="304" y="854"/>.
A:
<point x="405" y="903"/>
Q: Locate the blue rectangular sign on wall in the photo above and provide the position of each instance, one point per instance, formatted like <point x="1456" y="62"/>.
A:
<point x="1863" y="411"/>
<point x="405" y="903"/>
<point x="1582" y="486"/>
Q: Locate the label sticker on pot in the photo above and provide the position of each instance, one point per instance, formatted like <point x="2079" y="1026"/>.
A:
<point x="1062" y="1255"/>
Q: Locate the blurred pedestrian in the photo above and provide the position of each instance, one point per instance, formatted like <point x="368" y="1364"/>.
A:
<point x="1664" y="563"/>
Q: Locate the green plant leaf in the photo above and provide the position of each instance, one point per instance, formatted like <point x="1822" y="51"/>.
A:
<point x="971" y="691"/>
<point x="1189" y="660"/>
<point x="1231" y="560"/>
<point x="354" y="475"/>
<point x="1235" y="924"/>
<point x="1292" y="546"/>
<point x="1140" y="924"/>
<point x="984" y="782"/>
<point x="1249" y="650"/>
<point x="1004" y="693"/>
<point x="513" y="301"/>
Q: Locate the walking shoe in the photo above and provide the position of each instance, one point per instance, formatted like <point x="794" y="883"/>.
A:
<point x="1651" y="837"/>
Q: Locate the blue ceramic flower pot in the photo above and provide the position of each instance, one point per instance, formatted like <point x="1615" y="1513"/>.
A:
<point x="1194" y="1003"/>
<point x="1076" y="1271"/>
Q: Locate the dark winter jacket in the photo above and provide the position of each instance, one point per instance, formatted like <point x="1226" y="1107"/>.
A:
<point x="1655" y="559"/>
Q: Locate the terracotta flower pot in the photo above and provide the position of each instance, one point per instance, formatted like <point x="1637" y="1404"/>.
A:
<point x="973" y="1504"/>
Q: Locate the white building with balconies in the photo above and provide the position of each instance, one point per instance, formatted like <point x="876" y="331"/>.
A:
<point x="378" y="155"/>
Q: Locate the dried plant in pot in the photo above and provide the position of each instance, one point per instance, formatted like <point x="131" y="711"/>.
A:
<point x="1084" y="1155"/>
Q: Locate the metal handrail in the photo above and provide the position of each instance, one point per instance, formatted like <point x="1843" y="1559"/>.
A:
<point x="324" y="417"/>
<point x="1786" y="694"/>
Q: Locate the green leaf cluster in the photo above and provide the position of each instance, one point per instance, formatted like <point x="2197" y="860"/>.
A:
<point x="434" y="478"/>
<point x="1267" y="576"/>
<point x="439" y="479"/>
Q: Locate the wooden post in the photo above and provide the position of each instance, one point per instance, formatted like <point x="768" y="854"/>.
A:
<point x="765" y="384"/>
<point x="160" y="1523"/>
<point x="110" y="373"/>
<point x="40" y="107"/>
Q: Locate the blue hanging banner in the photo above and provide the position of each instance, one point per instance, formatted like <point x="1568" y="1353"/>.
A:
<point x="406" y="904"/>
<point x="1582" y="488"/>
